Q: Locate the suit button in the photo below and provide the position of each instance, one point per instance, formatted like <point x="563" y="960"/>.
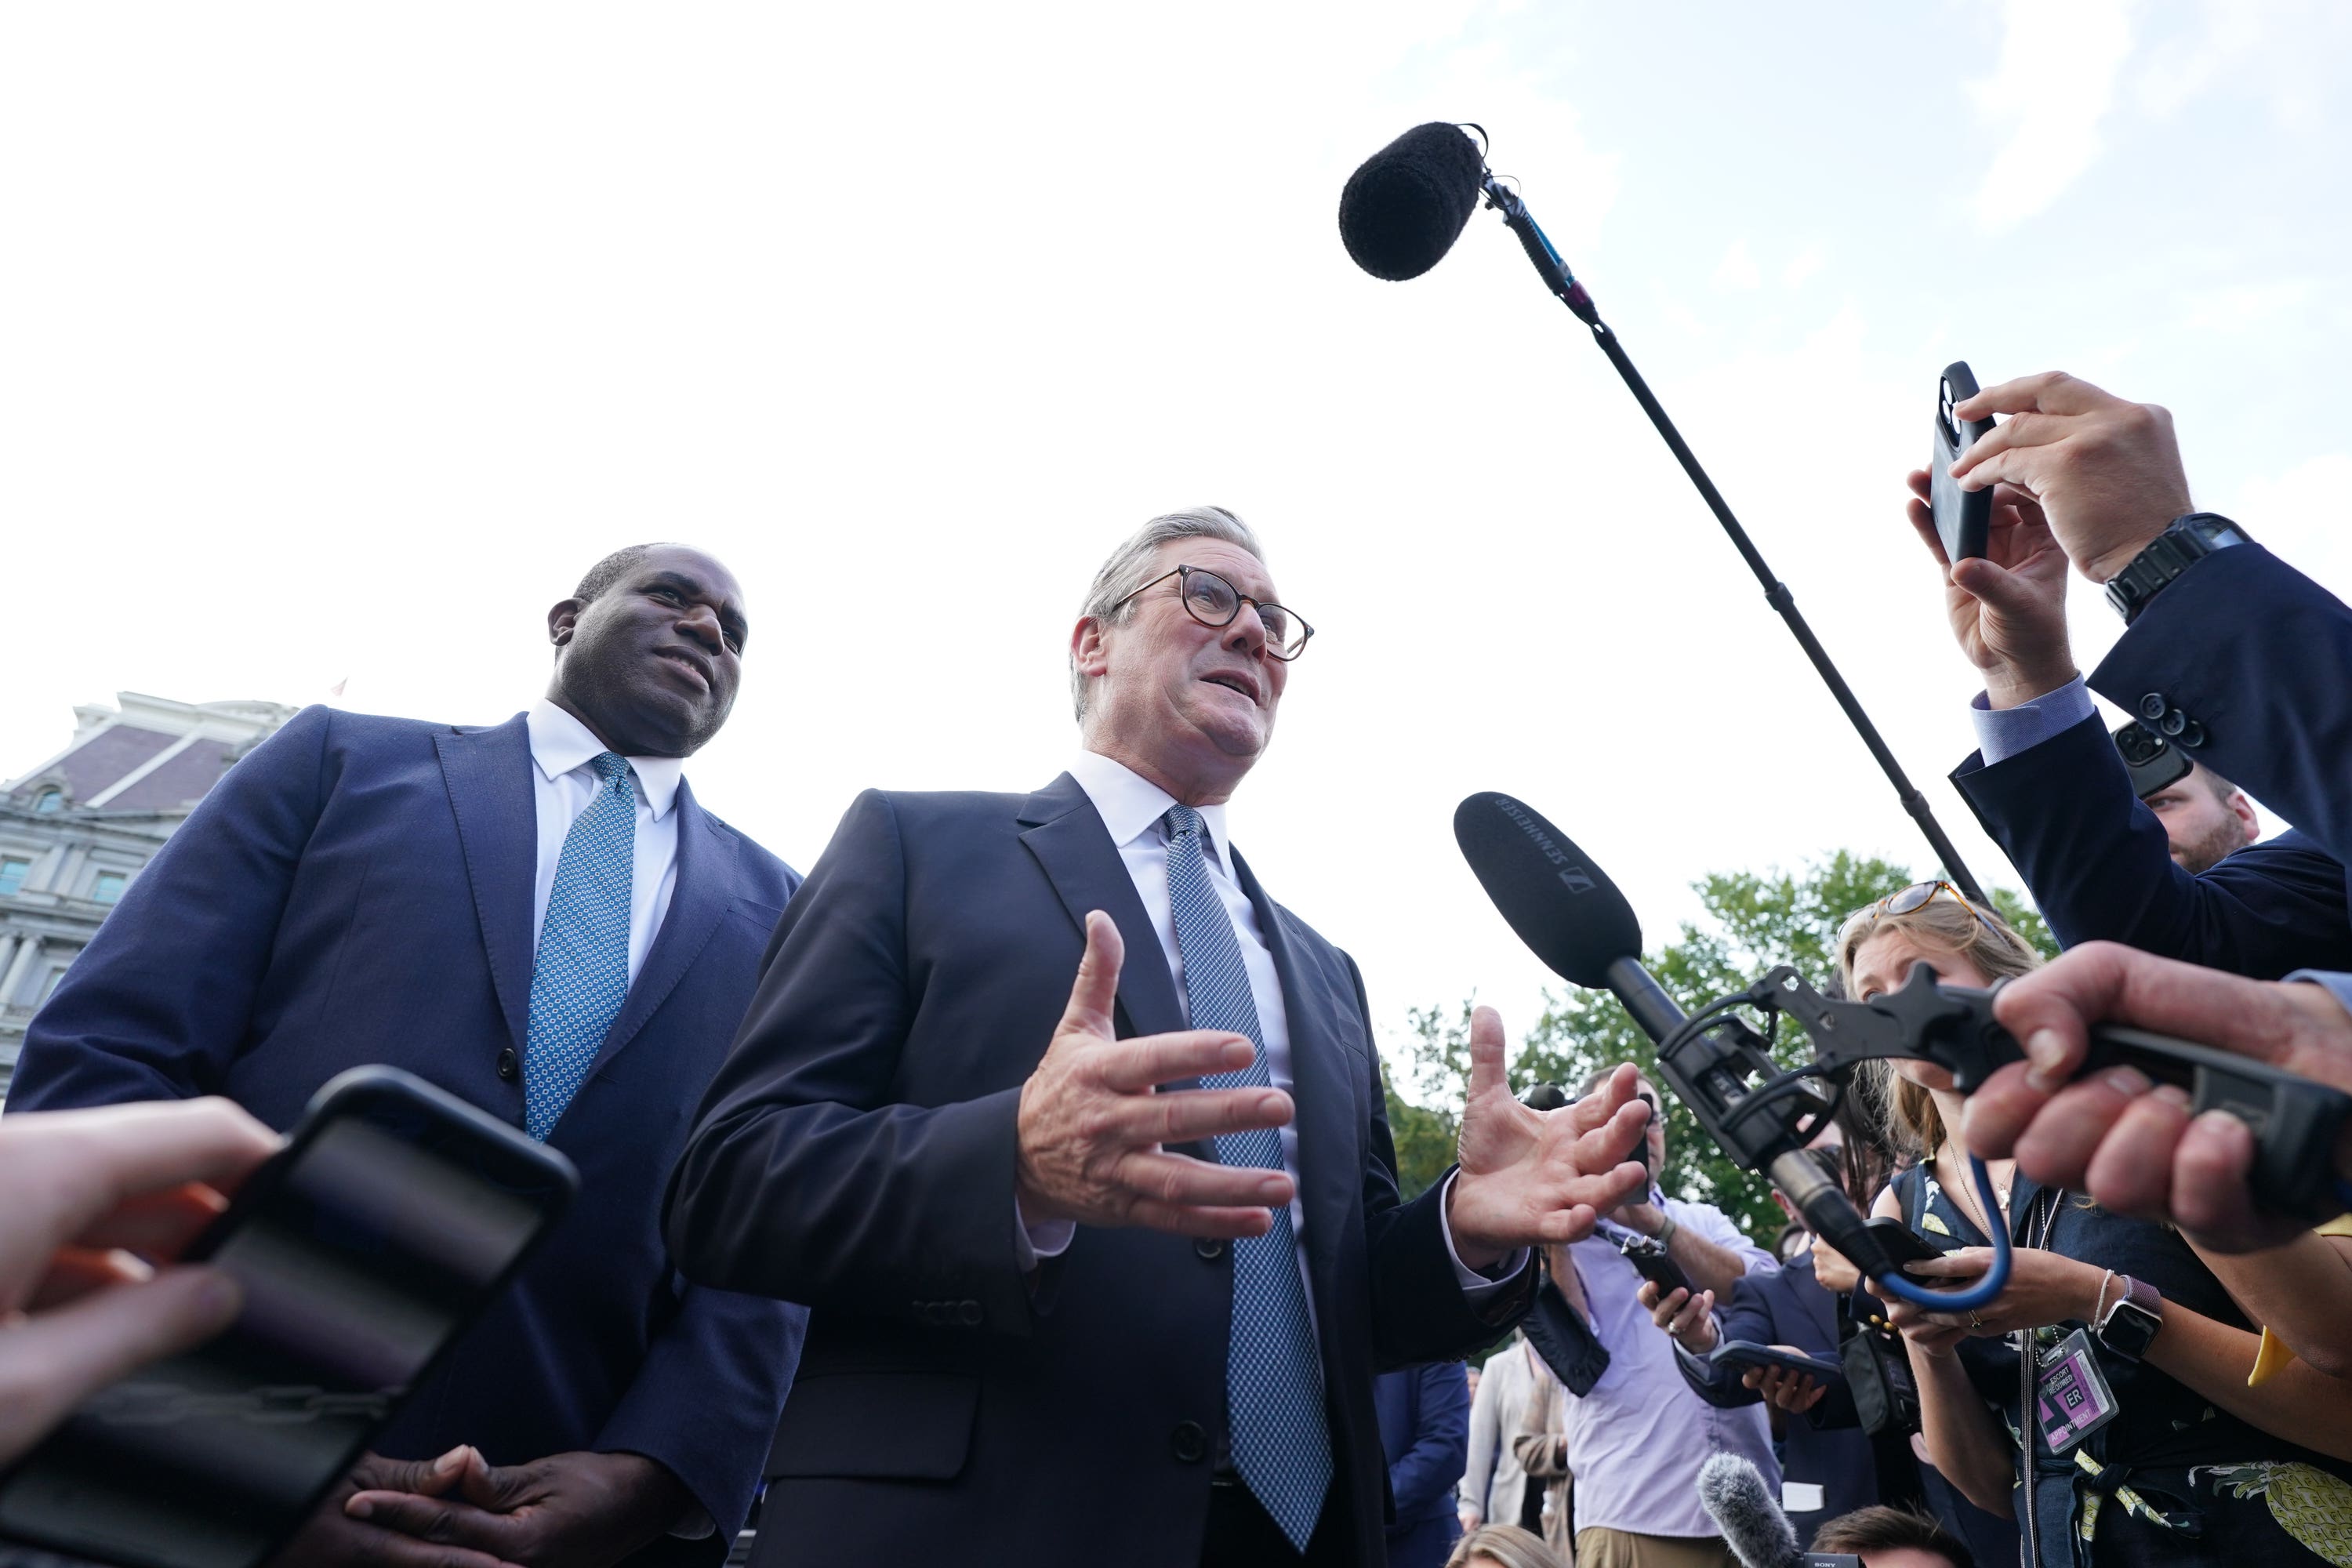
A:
<point x="509" y="1068"/>
<point x="2152" y="706"/>
<point x="2173" y="723"/>
<point x="1209" y="1247"/>
<point x="968" y="1313"/>
<point x="2192" y="734"/>
<point x="1188" y="1442"/>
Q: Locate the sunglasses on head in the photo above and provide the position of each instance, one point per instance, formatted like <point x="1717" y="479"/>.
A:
<point x="1917" y="895"/>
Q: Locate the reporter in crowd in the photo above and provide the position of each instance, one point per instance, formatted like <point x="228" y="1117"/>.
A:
<point x="2193" y="1466"/>
<point x="1829" y="1465"/>
<point x="1887" y="1537"/>
<point x="1425" y="1417"/>
<point x="2176" y="874"/>
<point x="1634" y="1442"/>
<point x="538" y="917"/>
<point x="1504" y="1546"/>
<point x="954" y="1154"/>
<point x="1494" y="1488"/>
<point x="2228" y="652"/>
<point x="100" y="1202"/>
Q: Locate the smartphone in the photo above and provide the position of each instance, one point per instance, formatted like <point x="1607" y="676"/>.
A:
<point x="1654" y="1263"/>
<point x="2153" y="762"/>
<point x="1745" y="1353"/>
<point x="1963" y="517"/>
<point x="1905" y="1244"/>
<point x="395" y="1213"/>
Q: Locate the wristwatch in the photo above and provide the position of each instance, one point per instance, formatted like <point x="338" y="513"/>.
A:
<point x="2189" y="540"/>
<point x="2130" y="1325"/>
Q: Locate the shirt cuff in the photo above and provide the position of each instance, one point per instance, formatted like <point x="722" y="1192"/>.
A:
<point x="1033" y="1244"/>
<point x="2335" y="984"/>
<point x="2002" y="732"/>
<point x="1477" y="1287"/>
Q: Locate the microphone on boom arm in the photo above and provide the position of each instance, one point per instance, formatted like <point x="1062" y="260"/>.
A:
<point x="1572" y="917"/>
<point x="1402" y="211"/>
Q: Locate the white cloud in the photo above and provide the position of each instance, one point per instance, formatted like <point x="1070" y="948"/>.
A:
<point x="2054" y="83"/>
<point x="1804" y="264"/>
<point x="2305" y="514"/>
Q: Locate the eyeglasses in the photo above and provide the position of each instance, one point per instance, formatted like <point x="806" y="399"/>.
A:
<point x="1917" y="895"/>
<point x="1214" y="602"/>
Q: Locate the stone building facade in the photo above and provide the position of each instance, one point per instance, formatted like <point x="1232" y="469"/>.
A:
<point x="76" y="830"/>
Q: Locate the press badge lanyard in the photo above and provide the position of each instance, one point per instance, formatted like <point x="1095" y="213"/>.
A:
<point x="2063" y="1393"/>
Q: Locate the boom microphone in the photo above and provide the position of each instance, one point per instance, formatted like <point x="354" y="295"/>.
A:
<point x="1734" y="1494"/>
<point x="1404" y="208"/>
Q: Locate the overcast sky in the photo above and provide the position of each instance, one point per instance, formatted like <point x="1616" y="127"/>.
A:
<point x="335" y="342"/>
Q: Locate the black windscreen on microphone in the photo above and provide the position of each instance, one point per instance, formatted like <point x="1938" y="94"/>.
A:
<point x="1562" y="906"/>
<point x="1403" y="209"/>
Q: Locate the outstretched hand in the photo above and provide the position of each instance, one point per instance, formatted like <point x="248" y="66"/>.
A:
<point x="1090" y="1127"/>
<point x="1528" y="1177"/>
<point x="2007" y="605"/>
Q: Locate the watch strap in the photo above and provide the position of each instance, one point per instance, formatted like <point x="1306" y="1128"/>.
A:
<point x="2189" y="540"/>
<point x="2129" y="1326"/>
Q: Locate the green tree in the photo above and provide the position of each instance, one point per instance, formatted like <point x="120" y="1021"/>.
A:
<point x="1754" y="922"/>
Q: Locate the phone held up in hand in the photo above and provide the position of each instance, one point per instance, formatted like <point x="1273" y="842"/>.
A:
<point x="393" y="1215"/>
<point x="1963" y="517"/>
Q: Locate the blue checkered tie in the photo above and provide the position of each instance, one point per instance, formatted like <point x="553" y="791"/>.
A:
<point x="1273" y="1372"/>
<point x="582" y="974"/>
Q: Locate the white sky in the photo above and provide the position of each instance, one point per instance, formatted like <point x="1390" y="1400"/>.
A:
<point x="335" y="342"/>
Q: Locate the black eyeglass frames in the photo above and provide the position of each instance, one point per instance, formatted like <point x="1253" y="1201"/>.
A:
<point x="1214" y="602"/>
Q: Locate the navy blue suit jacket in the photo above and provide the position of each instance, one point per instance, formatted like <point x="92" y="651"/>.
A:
<point x="857" y="1154"/>
<point x="2099" y="867"/>
<point x="2252" y="654"/>
<point x="1424" y="1414"/>
<point x="1787" y="1306"/>
<point x="359" y="889"/>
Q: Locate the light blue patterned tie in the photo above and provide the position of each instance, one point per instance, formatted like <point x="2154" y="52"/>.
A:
<point x="1274" y="1371"/>
<point x="582" y="975"/>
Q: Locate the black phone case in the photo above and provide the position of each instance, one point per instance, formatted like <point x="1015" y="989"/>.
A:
<point x="1905" y="1244"/>
<point x="1963" y="517"/>
<point x="374" y="1093"/>
<point x="1745" y="1354"/>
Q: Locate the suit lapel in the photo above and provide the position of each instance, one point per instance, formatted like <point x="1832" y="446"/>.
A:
<point x="1072" y="846"/>
<point x="698" y="901"/>
<point x="1330" y="1145"/>
<point x="487" y="773"/>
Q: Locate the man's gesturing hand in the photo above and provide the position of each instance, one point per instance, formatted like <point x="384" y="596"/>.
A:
<point x="2007" y="605"/>
<point x="1533" y="1176"/>
<point x="1090" y="1126"/>
<point x="2106" y="471"/>
<point x="2131" y="1145"/>
<point x="567" y="1510"/>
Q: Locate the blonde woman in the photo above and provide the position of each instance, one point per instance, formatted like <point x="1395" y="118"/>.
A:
<point x="1503" y="1546"/>
<point x="2193" y="1468"/>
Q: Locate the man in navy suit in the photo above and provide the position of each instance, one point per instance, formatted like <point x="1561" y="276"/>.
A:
<point x="2177" y="874"/>
<point x="1057" y="1317"/>
<point x="537" y="917"/>
<point x="1424" y="1414"/>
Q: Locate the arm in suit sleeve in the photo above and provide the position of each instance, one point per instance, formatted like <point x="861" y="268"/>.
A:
<point x="2099" y="865"/>
<point x="804" y="1178"/>
<point x="1427" y="1471"/>
<point x="1419" y="1311"/>
<point x="158" y="1003"/>
<point x="2254" y="653"/>
<point x="709" y="1391"/>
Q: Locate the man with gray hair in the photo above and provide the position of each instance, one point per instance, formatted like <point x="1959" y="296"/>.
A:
<point x="1102" y="1272"/>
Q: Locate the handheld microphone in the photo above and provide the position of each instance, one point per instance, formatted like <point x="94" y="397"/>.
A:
<point x="1734" y="1494"/>
<point x="1572" y="917"/>
<point x="1402" y="211"/>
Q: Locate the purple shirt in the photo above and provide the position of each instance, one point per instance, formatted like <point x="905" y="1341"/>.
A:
<point x="1635" y="1443"/>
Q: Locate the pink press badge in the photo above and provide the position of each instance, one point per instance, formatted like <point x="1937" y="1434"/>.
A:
<point x="2071" y="1396"/>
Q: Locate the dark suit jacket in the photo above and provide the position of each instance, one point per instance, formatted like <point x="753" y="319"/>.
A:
<point x="857" y="1154"/>
<point x="1787" y="1306"/>
<point x="2251" y="655"/>
<point x="359" y="889"/>
<point x="2098" y="866"/>
<point x="1424" y="1415"/>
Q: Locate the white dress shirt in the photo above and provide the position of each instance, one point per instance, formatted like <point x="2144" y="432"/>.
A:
<point x="563" y="784"/>
<point x="1131" y="806"/>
